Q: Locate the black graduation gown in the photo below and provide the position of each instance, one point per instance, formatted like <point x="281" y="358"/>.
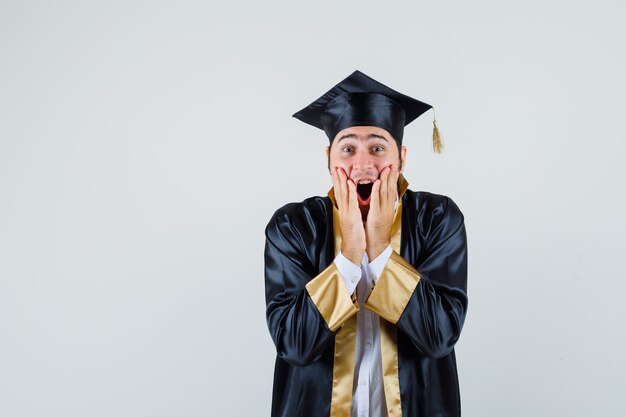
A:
<point x="300" y="249"/>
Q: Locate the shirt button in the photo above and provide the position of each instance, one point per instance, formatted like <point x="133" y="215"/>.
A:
<point x="368" y="346"/>
<point x="354" y="280"/>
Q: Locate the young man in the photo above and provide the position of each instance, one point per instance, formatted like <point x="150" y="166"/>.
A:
<point x="366" y="288"/>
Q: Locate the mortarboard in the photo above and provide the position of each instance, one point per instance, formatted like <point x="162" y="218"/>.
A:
<point x="360" y="100"/>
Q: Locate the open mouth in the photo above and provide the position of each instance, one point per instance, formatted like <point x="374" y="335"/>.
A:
<point x="364" y="190"/>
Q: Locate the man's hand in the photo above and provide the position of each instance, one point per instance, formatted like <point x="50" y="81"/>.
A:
<point x="381" y="213"/>
<point x="352" y="230"/>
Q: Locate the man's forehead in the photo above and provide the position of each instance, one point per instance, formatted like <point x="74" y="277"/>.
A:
<point x="363" y="133"/>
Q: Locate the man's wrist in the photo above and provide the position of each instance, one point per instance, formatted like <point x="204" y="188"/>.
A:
<point x="376" y="249"/>
<point x="354" y="256"/>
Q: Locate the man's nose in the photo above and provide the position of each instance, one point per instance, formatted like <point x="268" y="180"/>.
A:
<point x="363" y="160"/>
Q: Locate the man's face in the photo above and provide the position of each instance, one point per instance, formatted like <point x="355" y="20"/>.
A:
<point x="363" y="152"/>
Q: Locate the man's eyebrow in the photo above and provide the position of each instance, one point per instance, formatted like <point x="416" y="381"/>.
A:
<point x="351" y="135"/>
<point x="371" y="136"/>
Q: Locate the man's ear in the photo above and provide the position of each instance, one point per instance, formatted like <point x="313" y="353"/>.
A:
<point x="402" y="158"/>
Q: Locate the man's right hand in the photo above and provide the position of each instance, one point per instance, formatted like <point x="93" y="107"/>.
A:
<point x="353" y="241"/>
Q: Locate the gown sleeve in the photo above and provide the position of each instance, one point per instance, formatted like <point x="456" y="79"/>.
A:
<point x="428" y="301"/>
<point x="305" y="307"/>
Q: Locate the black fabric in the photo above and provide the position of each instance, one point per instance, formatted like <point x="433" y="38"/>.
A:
<point x="363" y="109"/>
<point x="299" y="245"/>
<point x="360" y="100"/>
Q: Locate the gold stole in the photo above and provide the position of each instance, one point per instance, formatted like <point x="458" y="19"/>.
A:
<point x="345" y="339"/>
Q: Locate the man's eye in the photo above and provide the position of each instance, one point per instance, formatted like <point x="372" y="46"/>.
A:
<point x="347" y="149"/>
<point x="378" y="148"/>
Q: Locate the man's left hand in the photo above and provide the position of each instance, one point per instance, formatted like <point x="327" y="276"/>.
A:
<point x="381" y="213"/>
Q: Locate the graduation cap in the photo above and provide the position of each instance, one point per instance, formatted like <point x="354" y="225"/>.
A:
<point x="360" y="100"/>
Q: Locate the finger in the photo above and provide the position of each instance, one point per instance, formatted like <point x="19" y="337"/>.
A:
<point x="333" y="178"/>
<point x="375" y="200"/>
<point x="345" y="183"/>
<point x="337" y="187"/>
<point x="355" y="212"/>
<point x="392" y="185"/>
<point x="384" y="176"/>
<point x="353" y="201"/>
<point x="342" y="188"/>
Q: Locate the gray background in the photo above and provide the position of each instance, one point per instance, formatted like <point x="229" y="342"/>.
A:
<point x="144" y="145"/>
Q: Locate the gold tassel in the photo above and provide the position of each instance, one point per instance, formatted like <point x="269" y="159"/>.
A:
<point x="437" y="142"/>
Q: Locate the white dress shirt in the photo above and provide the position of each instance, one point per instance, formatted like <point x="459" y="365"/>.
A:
<point x="368" y="394"/>
<point x="368" y="391"/>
